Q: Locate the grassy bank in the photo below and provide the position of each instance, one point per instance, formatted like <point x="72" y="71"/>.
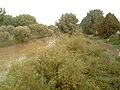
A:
<point x="73" y="63"/>
<point x="114" y="41"/>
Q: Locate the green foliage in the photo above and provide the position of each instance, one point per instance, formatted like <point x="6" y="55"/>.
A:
<point x="88" y="21"/>
<point x="24" y="20"/>
<point x="74" y="63"/>
<point x="7" y="20"/>
<point x="118" y="58"/>
<point x="7" y="33"/>
<point x="22" y="34"/>
<point x="98" y="25"/>
<point x="110" y="25"/>
<point x="114" y="40"/>
<point x="55" y="30"/>
<point x="105" y="27"/>
<point x="40" y="31"/>
<point x="2" y="28"/>
<point x="67" y="23"/>
<point x="10" y="29"/>
<point x="4" y="36"/>
<point x="2" y="13"/>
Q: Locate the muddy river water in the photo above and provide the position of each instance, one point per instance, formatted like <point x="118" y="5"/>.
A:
<point x="12" y="52"/>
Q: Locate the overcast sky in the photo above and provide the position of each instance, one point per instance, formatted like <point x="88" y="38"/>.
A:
<point x="49" y="11"/>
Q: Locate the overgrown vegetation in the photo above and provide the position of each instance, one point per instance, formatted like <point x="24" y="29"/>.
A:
<point x="107" y="26"/>
<point x="114" y="41"/>
<point x="94" y="23"/>
<point x="68" y="23"/>
<point x="72" y="64"/>
<point x="87" y="23"/>
<point x="40" y="31"/>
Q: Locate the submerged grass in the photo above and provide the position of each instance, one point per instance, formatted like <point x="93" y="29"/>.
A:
<point x="74" y="63"/>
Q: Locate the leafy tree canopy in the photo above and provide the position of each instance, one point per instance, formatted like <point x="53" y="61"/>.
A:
<point x="67" y="23"/>
<point x="2" y="13"/>
<point x="24" y="20"/>
<point x="88" y="21"/>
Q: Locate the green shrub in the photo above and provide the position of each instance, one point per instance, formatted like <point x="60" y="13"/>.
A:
<point x="2" y="28"/>
<point x="68" y="23"/>
<point x="22" y="34"/>
<point x="7" y="35"/>
<point x="7" y="20"/>
<point x="54" y="29"/>
<point x="24" y="20"/>
<point x="88" y="21"/>
<point x="40" y="31"/>
<point x="6" y="39"/>
<point x="4" y="36"/>
<point x="10" y="29"/>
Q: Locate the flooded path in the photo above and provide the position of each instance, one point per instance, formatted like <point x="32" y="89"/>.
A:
<point x="8" y="55"/>
<point x="12" y="51"/>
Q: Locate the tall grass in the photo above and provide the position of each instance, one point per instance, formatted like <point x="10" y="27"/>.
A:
<point x="74" y="63"/>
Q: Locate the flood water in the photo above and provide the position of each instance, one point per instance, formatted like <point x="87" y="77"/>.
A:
<point x="12" y="52"/>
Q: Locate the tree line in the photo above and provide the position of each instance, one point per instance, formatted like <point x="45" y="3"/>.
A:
<point x="24" y="27"/>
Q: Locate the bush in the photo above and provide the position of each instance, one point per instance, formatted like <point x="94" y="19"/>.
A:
<point x="110" y="25"/>
<point x="2" y="28"/>
<point x="40" y="31"/>
<point x="74" y="63"/>
<point x="24" y="20"/>
<point x="22" y="34"/>
<point x="67" y="23"/>
<point x="4" y="36"/>
<point x="6" y="39"/>
<point x="54" y="29"/>
<point x="10" y="29"/>
<point x="7" y="20"/>
<point x="7" y="35"/>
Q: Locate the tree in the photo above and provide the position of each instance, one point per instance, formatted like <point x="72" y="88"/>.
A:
<point x="67" y="23"/>
<point x="98" y="25"/>
<point x="2" y="13"/>
<point x="24" y="20"/>
<point x="7" y="20"/>
<point x="110" y="25"/>
<point x="88" y="21"/>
